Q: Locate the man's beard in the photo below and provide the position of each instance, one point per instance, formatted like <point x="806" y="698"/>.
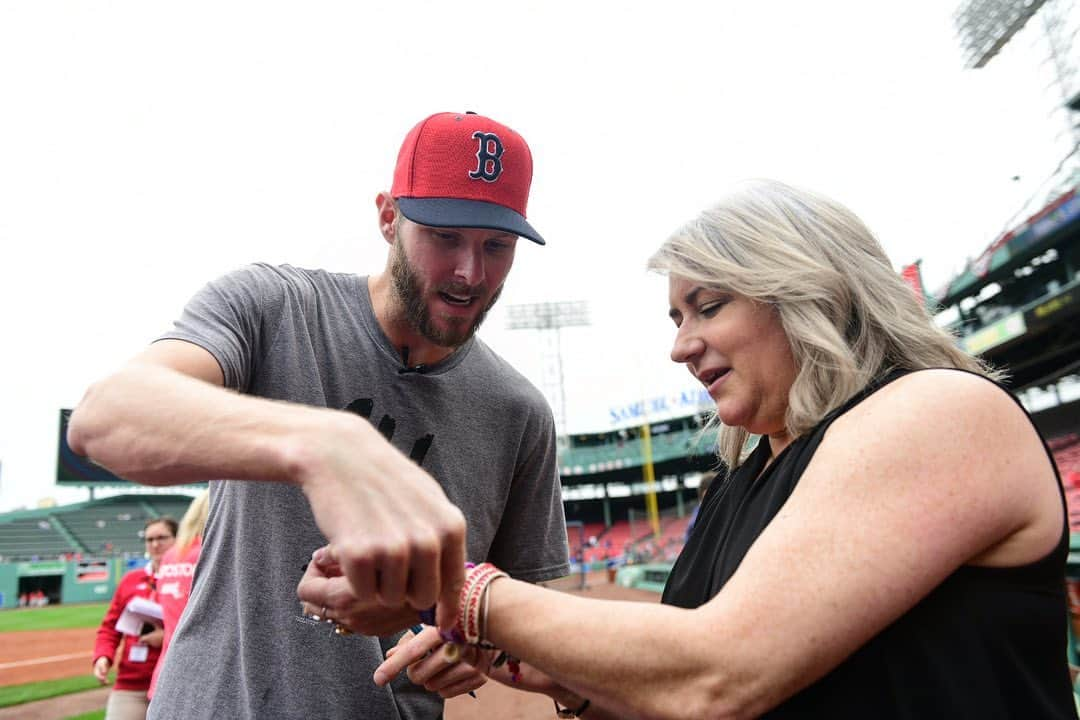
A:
<point x="407" y="288"/>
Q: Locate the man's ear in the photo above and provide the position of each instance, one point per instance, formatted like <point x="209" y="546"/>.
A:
<point x="388" y="213"/>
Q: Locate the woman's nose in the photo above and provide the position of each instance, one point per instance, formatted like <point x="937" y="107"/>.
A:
<point x="687" y="345"/>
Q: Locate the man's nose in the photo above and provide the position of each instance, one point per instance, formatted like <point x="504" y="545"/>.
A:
<point x="470" y="266"/>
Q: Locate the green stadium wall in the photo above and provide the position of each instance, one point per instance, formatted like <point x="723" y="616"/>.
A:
<point x="9" y="585"/>
<point x="80" y="582"/>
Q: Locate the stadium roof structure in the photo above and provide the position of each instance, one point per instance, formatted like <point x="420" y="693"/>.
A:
<point x="1017" y="304"/>
<point x="148" y="500"/>
<point x="986" y="26"/>
<point x="1016" y="246"/>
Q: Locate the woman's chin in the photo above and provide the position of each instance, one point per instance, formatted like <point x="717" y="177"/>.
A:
<point x="730" y="416"/>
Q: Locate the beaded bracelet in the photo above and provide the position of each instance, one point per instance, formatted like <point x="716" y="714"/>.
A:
<point x="473" y="593"/>
<point x="472" y="620"/>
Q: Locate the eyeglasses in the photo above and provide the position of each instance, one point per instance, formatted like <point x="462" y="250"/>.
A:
<point x="159" y="538"/>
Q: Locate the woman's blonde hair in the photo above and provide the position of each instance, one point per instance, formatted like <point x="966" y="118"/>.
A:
<point x="848" y="315"/>
<point x="193" y="523"/>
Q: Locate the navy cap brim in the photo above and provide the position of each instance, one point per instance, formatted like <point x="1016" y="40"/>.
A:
<point x="454" y="212"/>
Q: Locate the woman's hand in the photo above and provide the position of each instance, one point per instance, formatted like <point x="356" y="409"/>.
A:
<point x="424" y="656"/>
<point x="153" y="638"/>
<point x="101" y="669"/>
<point x="428" y="663"/>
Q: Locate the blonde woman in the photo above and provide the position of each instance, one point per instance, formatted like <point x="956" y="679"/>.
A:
<point x="891" y="546"/>
<point x="177" y="571"/>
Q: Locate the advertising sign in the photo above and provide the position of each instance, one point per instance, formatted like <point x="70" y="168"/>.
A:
<point x="32" y="569"/>
<point x="1005" y="329"/>
<point x="93" y="571"/>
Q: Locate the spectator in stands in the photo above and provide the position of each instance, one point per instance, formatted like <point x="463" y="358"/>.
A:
<point x="139" y="653"/>
<point x="176" y="572"/>
<point x="892" y="545"/>
<point x="269" y="378"/>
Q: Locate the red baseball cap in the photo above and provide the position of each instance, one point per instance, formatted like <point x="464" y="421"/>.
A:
<point x="465" y="170"/>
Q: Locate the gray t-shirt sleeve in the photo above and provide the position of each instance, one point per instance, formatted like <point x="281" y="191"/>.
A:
<point x="234" y="318"/>
<point x="531" y="541"/>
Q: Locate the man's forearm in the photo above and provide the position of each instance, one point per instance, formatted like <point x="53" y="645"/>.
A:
<point x="157" y="426"/>
<point x="160" y="427"/>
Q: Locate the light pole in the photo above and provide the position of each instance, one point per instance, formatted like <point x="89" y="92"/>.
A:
<point x="550" y="318"/>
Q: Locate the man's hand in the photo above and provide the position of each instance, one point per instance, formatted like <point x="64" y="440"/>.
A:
<point x="394" y="537"/>
<point x="101" y="669"/>
<point x="336" y="602"/>
<point x="425" y="658"/>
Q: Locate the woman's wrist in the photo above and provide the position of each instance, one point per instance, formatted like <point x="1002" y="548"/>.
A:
<point x="568" y="704"/>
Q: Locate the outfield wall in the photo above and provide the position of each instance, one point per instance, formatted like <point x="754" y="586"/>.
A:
<point x="63" y="581"/>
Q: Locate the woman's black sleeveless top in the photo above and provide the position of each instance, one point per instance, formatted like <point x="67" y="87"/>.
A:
<point x="986" y="643"/>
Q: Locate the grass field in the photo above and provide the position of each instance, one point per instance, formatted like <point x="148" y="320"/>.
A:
<point x="52" y="617"/>
<point x="29" y="692"/>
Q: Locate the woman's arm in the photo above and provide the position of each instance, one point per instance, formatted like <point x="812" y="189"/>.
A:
<point x="108" y="638"/>
<point x="936" y="470"/>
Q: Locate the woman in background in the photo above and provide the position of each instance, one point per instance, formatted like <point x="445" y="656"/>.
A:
<point x="128" y="699"/>
<point x="176" y="571"/>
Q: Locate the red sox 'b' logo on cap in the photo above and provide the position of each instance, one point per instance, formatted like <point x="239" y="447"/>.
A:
<point x="488" y="157"/>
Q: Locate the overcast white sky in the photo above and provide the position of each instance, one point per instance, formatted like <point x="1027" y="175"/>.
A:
<point x="147" y="147"/>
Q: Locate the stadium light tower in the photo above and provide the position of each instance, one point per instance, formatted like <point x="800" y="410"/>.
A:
<point x="986" y="26"/>
<point x="550" y="318"/>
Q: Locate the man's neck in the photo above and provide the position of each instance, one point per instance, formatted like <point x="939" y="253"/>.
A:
<point x="413" y="348"/>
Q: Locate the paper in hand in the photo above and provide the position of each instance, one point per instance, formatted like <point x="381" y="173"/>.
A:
<point x="139" y="610"/>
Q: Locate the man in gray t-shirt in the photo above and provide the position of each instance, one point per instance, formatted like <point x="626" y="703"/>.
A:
<point x="326" y="369"/>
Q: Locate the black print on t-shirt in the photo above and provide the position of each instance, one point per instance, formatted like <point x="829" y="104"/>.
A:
<point x="364" y="406"/>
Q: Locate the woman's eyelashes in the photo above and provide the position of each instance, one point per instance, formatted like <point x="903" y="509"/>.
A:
<point x="710" y="308"/>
